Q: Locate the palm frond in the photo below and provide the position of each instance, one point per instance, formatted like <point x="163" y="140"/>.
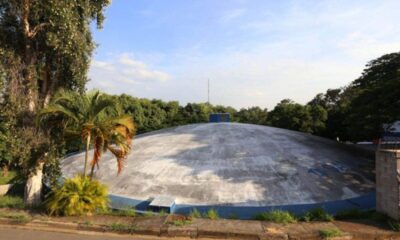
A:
<point x="120" y="155"/>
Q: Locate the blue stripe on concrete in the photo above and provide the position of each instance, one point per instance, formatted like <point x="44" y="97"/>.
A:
<point x="364" y="202"/>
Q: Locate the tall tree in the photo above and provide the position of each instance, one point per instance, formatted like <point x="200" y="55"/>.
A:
<point x="95" y="118"/>
<point x="44" y="45"/>
<point x="376" y="97"/>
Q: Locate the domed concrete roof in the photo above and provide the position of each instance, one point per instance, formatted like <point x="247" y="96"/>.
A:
<point x="234" y="164"/>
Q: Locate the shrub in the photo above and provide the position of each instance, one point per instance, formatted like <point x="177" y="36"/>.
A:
<point x="330" y="233"/>
<point x="195" y="213"/>
<point x="8" y="201"/>
<point x="9" y="178"/>
<point x="317" y="214"/>
<point x="212" y="214"/>
<point x="394" y="225"/>
<point x="77" y="196"/>
<point x="277" y="216"/>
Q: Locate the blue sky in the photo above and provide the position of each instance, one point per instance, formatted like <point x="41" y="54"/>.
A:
<point x="255" y="53"/>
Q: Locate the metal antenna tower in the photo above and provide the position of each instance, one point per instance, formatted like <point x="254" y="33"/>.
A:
<point x="208" y="91"/>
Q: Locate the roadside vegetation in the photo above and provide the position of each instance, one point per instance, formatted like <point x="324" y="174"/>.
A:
<point x="330" y="233"/>
<point x="276" y="216"/>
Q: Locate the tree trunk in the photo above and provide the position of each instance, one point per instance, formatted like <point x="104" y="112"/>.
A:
<point x="33" y="187"/>
<point x="86" y="154"/>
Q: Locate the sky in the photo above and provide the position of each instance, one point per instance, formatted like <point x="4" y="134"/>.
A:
<point x="254" y="52"/>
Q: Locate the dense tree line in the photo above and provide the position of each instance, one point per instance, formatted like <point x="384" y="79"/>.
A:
<point x="352" y="113"/>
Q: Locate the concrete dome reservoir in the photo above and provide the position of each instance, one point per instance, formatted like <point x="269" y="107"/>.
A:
<point x="236" y="165"/>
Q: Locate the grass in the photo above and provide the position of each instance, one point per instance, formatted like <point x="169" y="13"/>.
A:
<point x="195" y="213"/>
<point x="163" y="213"/>
<point x="87" y="223"/>
<point x="8" y="201"/>
<point x="179" y="223"/>
<point x="16" y="218"/>
<point x="330" y="233"/>
<point x="212" y="214"/>
<point x="120" y="227"/>
<point x="11" y="176"/>
<point x="317" y="214"/>
<point x="276" y="216"/>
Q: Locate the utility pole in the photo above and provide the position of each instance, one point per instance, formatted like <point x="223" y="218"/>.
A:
<point x="208" y="92"/>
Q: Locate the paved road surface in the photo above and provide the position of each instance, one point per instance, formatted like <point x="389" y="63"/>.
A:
<point x="26" y="234"/>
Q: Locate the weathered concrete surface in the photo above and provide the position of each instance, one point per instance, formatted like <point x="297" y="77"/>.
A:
<point x="234" y="164"/>
<point x="387" y="182"/>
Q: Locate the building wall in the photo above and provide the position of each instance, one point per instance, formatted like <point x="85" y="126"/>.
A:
<point x="387" y="182"/>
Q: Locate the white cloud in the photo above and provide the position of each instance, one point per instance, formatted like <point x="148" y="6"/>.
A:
<point x="123" y="73"/>
<point x="295" y="53"/>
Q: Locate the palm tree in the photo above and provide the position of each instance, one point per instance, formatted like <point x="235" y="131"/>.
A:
<point x="95" y="119"/>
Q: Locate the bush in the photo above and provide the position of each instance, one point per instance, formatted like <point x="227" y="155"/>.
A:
<point x="212" y="214"/>
<point x="276" y="216"/>
<point x="330" y="233"/>
<point x="195" y="213"/>
<point x="9" y="201"/>
<point x="9" y="178"/>
<point x="317" y="214"/>
<point x="394" y="225"/>
<point x="77" y="196"/>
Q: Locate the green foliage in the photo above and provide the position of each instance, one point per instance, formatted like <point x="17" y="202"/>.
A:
<point x="121" y="227"/>
<point x="276" y="216"/>
<point x="375" y="101"/>
<point x="77" y="196"/>
<point x="9" y="201"/>
<point x="290" y="115"/>
<point x="163" y="213"/>
<point x="212" y="214"/>
<point x="253" y="115"/>
<point x="317" y="214"/>
<point x="95" y="118"/>
<point x="330" y="233"/>
<point x="87" y="223"/>
<point x="16" y="217"/>
<point x="394" y="225"/>
<point x="195" y="213"/>
<point x="181" y="222"/>
<point x="8" y="177"/>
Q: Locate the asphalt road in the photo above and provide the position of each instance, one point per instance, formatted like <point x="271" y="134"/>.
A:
<point x="27" y="234"/>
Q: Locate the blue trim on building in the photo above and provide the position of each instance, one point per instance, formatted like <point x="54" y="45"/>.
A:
<point x="364" y="202"/>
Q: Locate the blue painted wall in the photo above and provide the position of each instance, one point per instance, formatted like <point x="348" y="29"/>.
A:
<point x="220" y="117"/>
<point x="365" y="202"/>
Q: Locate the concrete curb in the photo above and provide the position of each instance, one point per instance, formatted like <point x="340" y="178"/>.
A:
<point x="197" y="230"/>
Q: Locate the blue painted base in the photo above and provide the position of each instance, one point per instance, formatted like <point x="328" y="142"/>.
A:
<point x="365" y="202"/>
